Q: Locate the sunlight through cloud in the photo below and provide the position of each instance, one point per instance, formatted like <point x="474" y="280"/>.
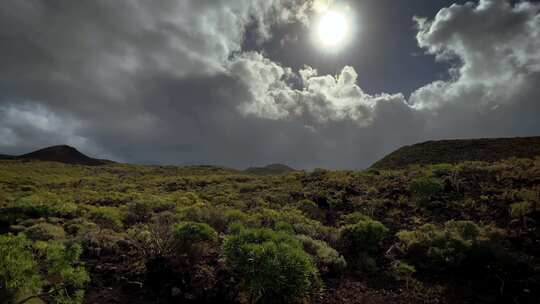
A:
<point x="333" y="26"/>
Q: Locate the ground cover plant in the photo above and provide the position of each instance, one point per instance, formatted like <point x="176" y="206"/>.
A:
<point x="454" y="233"/>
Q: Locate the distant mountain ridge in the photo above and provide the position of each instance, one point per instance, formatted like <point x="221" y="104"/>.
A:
<point x="459" y="150"/>
<point x="62" y="154"/>
<point x="273" y="169"/>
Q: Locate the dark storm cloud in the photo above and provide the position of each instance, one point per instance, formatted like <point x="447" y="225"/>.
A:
<point x="170" y="83"/>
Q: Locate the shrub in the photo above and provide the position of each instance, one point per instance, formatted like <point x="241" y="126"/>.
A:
<point x="30" y="208"/>
<point x="353" y="218"/>
<point x="521" y="210"/>
<point x="19" y="272"/>
<point x="26" y="268"/>
<point x="155" y="239"/>
<point x="426" y="186"/>
<point x="363" y="237"/>
<point x="106" y="217"/>
<point x="272" y="264"/>
<point x="311" y="209"/>
<point x="442" y="248"/>
<point x="187" y="199"/>
<point x="402" y="271"/>
<point x="102" y="243"/>
<point x="79" y="227"/>
<point x="202" y="213"/>
<point x="138" y="212"/>
<point x="237" y="216"/>
<point x="284" y="226"/>
<point x="45" y="232"/>
<point x="60" y="263"/>
<point x="164" y="206"/>
<point x="328" y="260"/>
<point x="189" y="235"/>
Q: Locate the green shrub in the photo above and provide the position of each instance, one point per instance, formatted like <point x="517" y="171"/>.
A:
<point x="284" y="226"/>
<point x="164" y="206"/>
<point x="238" y="216"/>
<point x="426" y="186"/>
<point x="353" y="218"/>
<point x="102" y="243"/>
<point x="203" y="213"/>
<point x="402" y="271"/>
<point x="79" y="227"/>
<point x="45" y="232"/>
<point x="154" y="239"/>
<point x="521" y="209"/>
<point x="19" y="273"/>
<point x="138" y="212"/>
<point x="442" y="248"/>
<point x="272" y="264"/>
<point x="31" y="208"/>
<point x="310" y="209"/>
<point x="60" y="263"/>
<point x="363" y="237"/>
<point x="189" y="235"/>
<point x="27" y="268"/>
<point x="106" y="217"/>
<point x="328" y="260"/>
<point x="187" y="198"/>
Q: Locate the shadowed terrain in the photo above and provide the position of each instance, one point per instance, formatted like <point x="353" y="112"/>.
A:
<point x="455" y="151"/>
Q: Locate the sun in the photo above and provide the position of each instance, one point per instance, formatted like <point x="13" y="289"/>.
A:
<point x="332" y="29"/>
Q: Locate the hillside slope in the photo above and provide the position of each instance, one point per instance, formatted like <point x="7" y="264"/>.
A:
<point x="63" y="154"/>
<point x="3" y="156"/>
<point x="455" y="151"/>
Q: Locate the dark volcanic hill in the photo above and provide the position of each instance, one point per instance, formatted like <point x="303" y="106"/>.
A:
<point x="455" y="151"/>
<point x="273" y="169"/>
<point x="63" y="154"/>
<point x="3" y="156"/>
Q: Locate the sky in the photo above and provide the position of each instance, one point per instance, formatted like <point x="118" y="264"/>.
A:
<point x="242" y="83"/>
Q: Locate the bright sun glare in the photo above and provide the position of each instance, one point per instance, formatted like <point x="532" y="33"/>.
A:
<point x="332" y="29"/>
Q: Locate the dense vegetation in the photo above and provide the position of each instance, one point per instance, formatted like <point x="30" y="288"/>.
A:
<point x="462" y="233"/>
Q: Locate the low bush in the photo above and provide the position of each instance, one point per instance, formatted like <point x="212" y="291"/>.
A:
<point x="45" y="231"/>
<point x="328" y="260"/>
<point x="30" y="208"/>
<point x="311" y="209"/>
<point x="138" y="212"/>
<point x="402" y="271"/>
<point x="431" y="247"/>
<point x="189" y="237"/>
<point x="426" y="186"/>
<point x="19" y="273"/>
<point x="353" y="218"/>
<point x="521" y="210"/>
<point x="106" y="217"/>
<point x="362" y="237"/>
<point x="27" y="269"/>
<point x="272" y="265"/>
<point x="102" y="243"/>
<point x="154" y="239"/>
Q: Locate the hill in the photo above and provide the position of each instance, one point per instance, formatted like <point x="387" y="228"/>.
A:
<point x="3" y="156"/>
<point x="455" y="151"/>
<point x="63" y="154"/>
<point x="273" y="169"/>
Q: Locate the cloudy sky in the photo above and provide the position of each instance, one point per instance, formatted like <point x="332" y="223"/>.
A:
<point x="251" y="82"/>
